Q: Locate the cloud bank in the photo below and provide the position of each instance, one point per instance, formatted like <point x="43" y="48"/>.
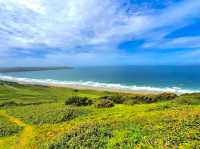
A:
<point x="78" y="32"/>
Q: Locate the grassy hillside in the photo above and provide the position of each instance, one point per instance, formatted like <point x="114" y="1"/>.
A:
<point x="55" y="118"/>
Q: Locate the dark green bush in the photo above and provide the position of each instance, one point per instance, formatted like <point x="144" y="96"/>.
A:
<point x="76" y="90"/>
<point x="105" y="103"/>
<point x="78" y="101"/>
<point x="118" y="99"/>
<point x="141" y="99"/>
<point x="149" y="99"/>
<point x="165" y="96"/>
<point x="93" y="136"/>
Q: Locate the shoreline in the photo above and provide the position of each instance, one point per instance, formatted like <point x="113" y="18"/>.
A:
<point x="83" y="87"/>
<point x="94" y="86"/>
<point x="105" y="89"/>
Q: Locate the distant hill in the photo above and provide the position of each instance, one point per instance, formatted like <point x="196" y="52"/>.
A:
<point x="21" y="69"/>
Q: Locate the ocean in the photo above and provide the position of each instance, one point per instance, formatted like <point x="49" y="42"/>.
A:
<point x="182" y="79"/>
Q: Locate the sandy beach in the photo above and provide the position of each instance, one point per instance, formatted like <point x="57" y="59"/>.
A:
<point x="108" y="89"/>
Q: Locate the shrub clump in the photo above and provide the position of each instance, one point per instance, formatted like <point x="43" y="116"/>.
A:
<point x="78" y="101"/>
<point x="104" y="104"/>
<point x="165" y="96"/>
<point x="118" y="99"/>
<point x="140" y="99"/>
<point x="189" y="99"/>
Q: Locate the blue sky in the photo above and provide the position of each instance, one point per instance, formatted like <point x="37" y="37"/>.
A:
<point x="96" y="32"/>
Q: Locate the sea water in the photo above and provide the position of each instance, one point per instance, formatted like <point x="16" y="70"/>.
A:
<point x="151" y="78"/>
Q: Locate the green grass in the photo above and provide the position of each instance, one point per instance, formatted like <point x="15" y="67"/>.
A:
<point x="86" y="136"/>
<point x="45" y="113"/>
<point x="35" y="94"/>
<point x="189" y="99"/>
<point x="8" y="128"/>
<point x="137" y="121"/>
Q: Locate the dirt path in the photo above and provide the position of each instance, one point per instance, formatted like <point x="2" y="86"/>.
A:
<point x="25" y="135"/>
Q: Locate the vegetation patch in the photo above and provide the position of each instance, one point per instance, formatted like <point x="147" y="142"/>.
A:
<point x="105" y="103"/>
<point x="126" y="135"/>
<point x="11" y="103"/>
<point x="183" y="132"/>
<point x="78" y="101"/>
<point x="165" y="96"/>
<point x="8" y="128"/>
<point x="88" y="136"/>
<point x="169" y="122"/>
<point x="118" y="99"/>
<point x="140" y="99"/>
<point x="164" y="106"/>
<point x="45" y="113"/>
<point x="189" y="99"/>
<point x="8" y="103"/>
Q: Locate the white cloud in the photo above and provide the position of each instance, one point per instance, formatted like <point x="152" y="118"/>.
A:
<point x="65" y="25"/>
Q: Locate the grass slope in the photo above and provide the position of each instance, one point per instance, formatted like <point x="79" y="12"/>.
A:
<point x="37" y="117"/>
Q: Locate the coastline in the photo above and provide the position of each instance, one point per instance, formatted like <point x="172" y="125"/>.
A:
<point x="107" y="89"/>
<point x="25" y="69"/>
<point x="77" y="86"/>
<point x="94" y="86"/>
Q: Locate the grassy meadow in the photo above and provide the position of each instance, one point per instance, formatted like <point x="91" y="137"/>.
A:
<point x="41" y="117"/>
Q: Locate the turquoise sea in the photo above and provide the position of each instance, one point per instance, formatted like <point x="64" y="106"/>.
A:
<point x="155" y="78"/>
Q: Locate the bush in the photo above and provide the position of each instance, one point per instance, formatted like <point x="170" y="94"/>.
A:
<point x="105" y="103"/>
<point x="118" y="99"/>
<point x="78" y="101"/>
<point x="134" y="100"/>
<point x="165" y="96"/>
<point x="188" y="99"/>
<point x="140" y="99"/>
<point x="150" y="98"/>
<point x="76" y="90"/>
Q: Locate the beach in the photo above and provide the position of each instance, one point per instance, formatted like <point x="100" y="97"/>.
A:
<point x="77" y="86"/>
<point x="91" y="86"/>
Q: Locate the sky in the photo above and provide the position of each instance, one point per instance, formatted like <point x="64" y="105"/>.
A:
<point x="97" y="32"/>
